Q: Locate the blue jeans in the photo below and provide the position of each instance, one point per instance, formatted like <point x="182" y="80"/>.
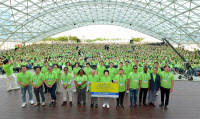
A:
<point x="23" y="92"/>
<point x="135" y="92"/>
<point x="53" y="91"/>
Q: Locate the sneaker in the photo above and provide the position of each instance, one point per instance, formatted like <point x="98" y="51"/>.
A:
<point x="108" y="106"/>
<point x="64" y="103"/>
<point x="127" y="91"/>
<point x="78" y="103"/>
<point x="51" y="104"/>
<point x="32" y="102"/>
<point x="145" y="105"/>
<point x="17" y="88"/>
<point x="23" y="104"/>
<point x="43" y="103"/>
<point x="70" y="103"/>
<point x="36" y="104"/>
<point x="153" y="104"/>
<point x="92" y="105"/>
<point x="157" y="94"/>
<point x="54" y="104"/>
<point x="104" y="105"/>
<point x="136" y="106"/>
<point x="166" y="107"/>
<point x="9" y="90"/>
<point x="131" y="106"/>
<point x="139" y="103"/>
<point x="117" y="106"/>
<point x="74" y="90"/>
<point x="96" y="105"/>
<point x="161" y="104"/>
<point x="122" y="106"/>
<point x="149" y="103"/>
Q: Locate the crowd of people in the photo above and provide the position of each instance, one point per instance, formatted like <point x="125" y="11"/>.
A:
<point x="135" y="68"/>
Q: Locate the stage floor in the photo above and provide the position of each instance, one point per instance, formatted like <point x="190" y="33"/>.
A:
<point x="184" y="104"/>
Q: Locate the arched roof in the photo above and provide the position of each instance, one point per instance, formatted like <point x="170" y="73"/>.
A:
<point x="34" y="20"/>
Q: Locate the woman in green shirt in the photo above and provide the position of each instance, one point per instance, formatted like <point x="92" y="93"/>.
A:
<point x="106" y="79"/>
<point x="87" y="71"/>
<point x="69" y="67"/>
<point x="81" y="85"/>
<point x="75" y="71"/>
<point x="50" y="81"/>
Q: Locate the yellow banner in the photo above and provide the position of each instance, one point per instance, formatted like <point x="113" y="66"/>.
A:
<point x="105" y="87"/>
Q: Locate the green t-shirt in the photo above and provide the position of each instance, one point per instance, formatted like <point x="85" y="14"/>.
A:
<point x="44" y="70"/>
<point x="92" y="79"/>
<point x="111" y="72"/>
<point x="24" y="63"/>
<point x="166" y="79"/>
<point x="148" y="70"/>
<point x="24" y="78"/>
<point x="75" y="70"/>
<point x="32" y="61"/>
<point x="59" y="63"/>
<point x="41" y="64"/>
<point x="127" y="70"/>
<point x="106" y="79"/>
<point x="100" y="71"/>
<point x="144" y="78"/>
<point x="81" y="62"/>
<point x="50" y="63"/>
<point x="50" y="77"/>
<point x="80" y="79"/>
<point x="35" y="64"/>
<point x="66" y="79"/>
<point x="154" y="77"/>
<point x="117" y="70"/>
<point x="88" y="71"/>
<point x="8" y="69"/>
<point x="58" y="72"/>
<point x="139" y="69"/>
<point x="122" y="80"/>
<point x="69" y="69"/>
<point x="18" y="65"/>
<point x="37" y="79"/>
<point x="134" y="80"/>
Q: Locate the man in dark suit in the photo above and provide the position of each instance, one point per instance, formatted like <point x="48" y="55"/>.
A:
<point x="154" y="86"/>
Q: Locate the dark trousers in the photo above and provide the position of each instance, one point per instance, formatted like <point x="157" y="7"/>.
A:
<point x="143" y="91"/>
<point x="121" y="98"/>
<point x="38" y="91"/>
<point x="53" y="91"/>
<point x="165" y="91"/>
<point x="81" y="94"/>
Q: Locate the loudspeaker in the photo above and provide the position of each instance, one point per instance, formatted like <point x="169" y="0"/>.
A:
<point x="131" y="41"/>
<point x="78" y="40"/>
